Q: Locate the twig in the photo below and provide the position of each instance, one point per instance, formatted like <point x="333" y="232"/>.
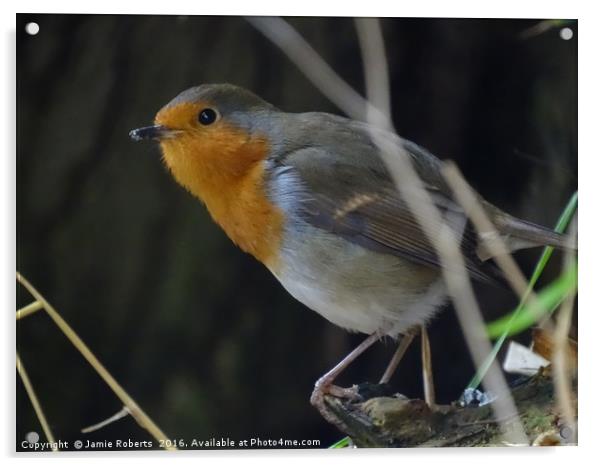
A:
<point x="137" y="412"/>
<point x="402" y="347"/>
<point x="427" y="368"/>
<point x="443" y="239"/>
<point x="31" y="308"/>
<point x="36" y="404"/>
<point x="560" y="368"/>
<point x="376" y="73"/>
<point x="285" y="37"/>
<point x="123" y="412"/>
<point x="484" y="226"/>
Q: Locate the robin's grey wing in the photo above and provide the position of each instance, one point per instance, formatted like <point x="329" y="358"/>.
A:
<point x="359" y="201"/>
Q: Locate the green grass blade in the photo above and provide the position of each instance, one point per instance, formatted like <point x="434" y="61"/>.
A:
<point x="549" y="299"/>
<point x="561" y="226"/>
<point x="343" y="443"/>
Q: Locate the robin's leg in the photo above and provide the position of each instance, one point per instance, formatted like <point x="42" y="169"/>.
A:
<point x="324" y="385"/>
<point x="404" y="344"/>
<point x="427" y="369"/>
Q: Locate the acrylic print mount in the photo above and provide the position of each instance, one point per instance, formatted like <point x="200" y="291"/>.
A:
<point x="258" y="232"/>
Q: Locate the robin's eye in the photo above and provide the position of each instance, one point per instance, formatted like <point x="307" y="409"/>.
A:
<point x="207" y="116"/>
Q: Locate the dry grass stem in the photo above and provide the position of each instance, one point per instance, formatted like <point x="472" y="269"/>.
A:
<point x="137" y="413"/>
<point x="123" y="412"/>
<point x="402" y="347"/>
<point x="31" y="308"/>
<point x="561" y="368"/>
<point x="285" y="37"/>
<point x="36" y="404"/>
<point x="442" y="237"/>
<point x="372" y="46"/>
<point x="427" y="368"/>
<point x="485" y="227"/>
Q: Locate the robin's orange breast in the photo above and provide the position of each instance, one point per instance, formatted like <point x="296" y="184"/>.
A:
<point x="225" y="168"/>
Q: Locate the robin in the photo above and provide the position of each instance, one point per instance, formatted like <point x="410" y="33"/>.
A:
<point x="308" y="195"/>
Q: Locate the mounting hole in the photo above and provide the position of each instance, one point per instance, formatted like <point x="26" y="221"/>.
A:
<point x="566" y="33"/>
<point x="32" y="28"/>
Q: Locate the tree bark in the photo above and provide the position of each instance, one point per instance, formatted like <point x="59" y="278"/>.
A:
<point x="395" y="421"/>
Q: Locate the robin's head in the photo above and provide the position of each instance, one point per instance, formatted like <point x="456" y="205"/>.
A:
<point x="214" y="139"/>
<point x="210" y="135"/>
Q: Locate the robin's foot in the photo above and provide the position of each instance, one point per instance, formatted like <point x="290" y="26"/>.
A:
<point x="350" y="394"/>
<point x="325" y="387"/>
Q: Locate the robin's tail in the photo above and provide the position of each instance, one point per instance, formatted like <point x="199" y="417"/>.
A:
<point x="521" y="234"/>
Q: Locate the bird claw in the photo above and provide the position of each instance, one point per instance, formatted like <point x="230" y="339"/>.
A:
<point x="326" y="387"/>
<point x="323" y="388"/>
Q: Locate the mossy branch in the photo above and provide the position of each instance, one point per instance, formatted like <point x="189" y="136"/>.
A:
<point x="400" y="422"/>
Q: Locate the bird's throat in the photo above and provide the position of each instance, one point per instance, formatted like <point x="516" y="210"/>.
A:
<point x="236" y="197"/>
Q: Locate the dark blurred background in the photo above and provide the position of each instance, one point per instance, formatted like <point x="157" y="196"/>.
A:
<point x="200" y="334"/>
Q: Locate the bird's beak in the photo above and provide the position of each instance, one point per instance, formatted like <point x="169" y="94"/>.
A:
<point x="155" y="132"/>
